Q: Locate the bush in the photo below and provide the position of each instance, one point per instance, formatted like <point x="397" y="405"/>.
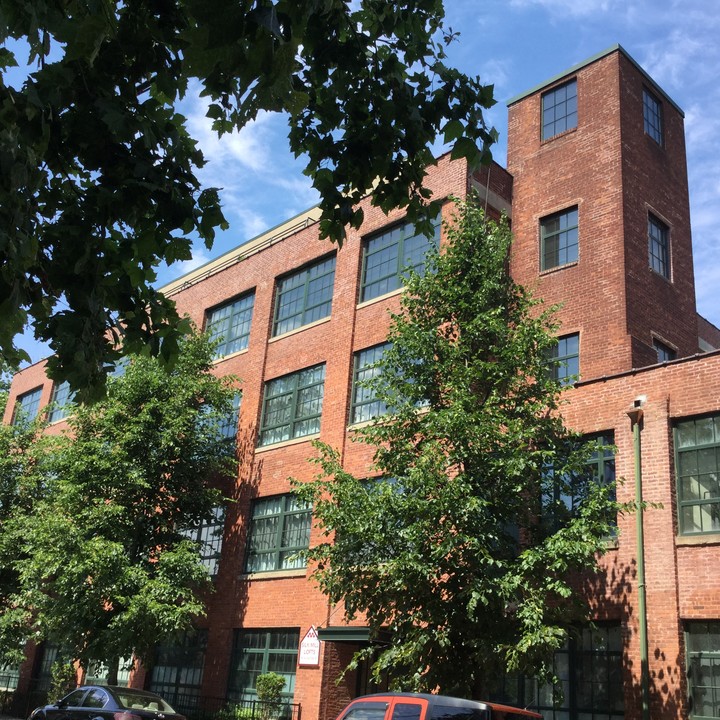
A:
<point x="63" y="678"/>
<point x="269" y="688"/>
<point x="235" y="712"/>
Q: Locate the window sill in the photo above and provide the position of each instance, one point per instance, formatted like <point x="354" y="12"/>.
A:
<point x="551" y="270"/>
<point x="707" y="539"/>
<point x="380" y="298"/>
<point x="275" y="574"/>
<point x="295" y="331"/>
<point x="286" y="443"/>
<point x="660" y="275"/>
<point x="217" y="361"/>
<point x="564" y="133"/>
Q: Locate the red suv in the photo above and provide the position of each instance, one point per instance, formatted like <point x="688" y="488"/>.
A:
<point x="416" y="706"/>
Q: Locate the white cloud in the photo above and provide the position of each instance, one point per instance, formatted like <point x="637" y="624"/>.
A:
<point x="576" y="8"/>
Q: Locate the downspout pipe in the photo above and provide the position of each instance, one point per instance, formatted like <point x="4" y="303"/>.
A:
<point x="636" y="418"/>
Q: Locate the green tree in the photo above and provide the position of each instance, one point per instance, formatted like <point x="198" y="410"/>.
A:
<point x="102" y="561"/>
<point x="451" y="548"/>
<point x="24" y="464"/>
<point x="99" y="178"/>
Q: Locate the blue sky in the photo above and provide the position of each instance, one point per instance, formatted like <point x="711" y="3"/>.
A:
<point x="515" y="45"/>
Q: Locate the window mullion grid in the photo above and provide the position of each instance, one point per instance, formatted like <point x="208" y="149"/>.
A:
<point x="698" y="502"/>
<point x="297" y="418"/>
<point x="306" y="298"/>
<point x="277" y="551"/>
<point x="401" y="255"/>
<point x="267" y="428"/>
<point x="278" y="307"/>
<point x="294" y="408"/>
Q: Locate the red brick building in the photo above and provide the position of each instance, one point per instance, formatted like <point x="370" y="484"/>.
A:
<point x="596" y="189"/>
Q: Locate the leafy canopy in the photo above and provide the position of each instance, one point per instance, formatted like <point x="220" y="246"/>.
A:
<point x="93" y="551"/>
<point x="98" y="183"/>
<point x="457" y="548"/>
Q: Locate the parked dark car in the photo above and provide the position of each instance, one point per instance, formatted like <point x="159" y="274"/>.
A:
<point x="107" y="702"/>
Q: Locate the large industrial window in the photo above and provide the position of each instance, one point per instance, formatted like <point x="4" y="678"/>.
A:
<point x="652" y="116"/>
<point x="209" y="537"/>
<point x="292" y="405"/>
<point x="261" y="651"/>
<point x="559" y="109"/>
<point x="659" y="246"/>
<point x="697" y="462"/>
<point x="589" y="668"/>
<point x="230" y="324"/>
<point x="279" y="529"/>
<point x="9" y="677"/>
<point x="177" y="672"/>
<point x="564" y="359"/>
<point x="61" y="402"/>
<point x="304" y="297"/>
<point x="389" y="253"/>
<point x="365" y="405"/>
<point x="559" y="239"/>
<point x="27" y="406"/>
<point x="229" y="424"/>
<point x="703" y="660"/>
<point x="564" y="496"/>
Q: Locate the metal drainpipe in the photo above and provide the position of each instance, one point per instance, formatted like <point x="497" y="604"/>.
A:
<point x="636" y="415"/>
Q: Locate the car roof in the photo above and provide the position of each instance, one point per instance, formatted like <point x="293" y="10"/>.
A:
<point x="433" y="699"/>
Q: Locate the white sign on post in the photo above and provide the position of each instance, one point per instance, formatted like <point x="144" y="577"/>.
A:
<point x="310" y="649"/>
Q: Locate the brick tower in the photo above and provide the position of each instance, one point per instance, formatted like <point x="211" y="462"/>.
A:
<point x="601" y="213"/>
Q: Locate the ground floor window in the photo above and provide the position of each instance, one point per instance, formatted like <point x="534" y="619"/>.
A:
<point x="97" y="672"/>
<point x="260" y="651"/>
<point x="703" y="658"/>
<point x="49" y="655"/>
<point x="177" y="672"/>
<point x="9" y="677"/>
<point x="590" y="671"/>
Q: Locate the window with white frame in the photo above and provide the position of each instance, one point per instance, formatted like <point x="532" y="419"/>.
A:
<point x="304" y="296"/>
<point x="229" y="324"/>
<point x="292" y="405"/>
<point x="279" y="530"/>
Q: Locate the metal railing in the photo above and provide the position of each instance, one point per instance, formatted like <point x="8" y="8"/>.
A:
<point x="194" y="707"/>
<point x="201" y="707"/>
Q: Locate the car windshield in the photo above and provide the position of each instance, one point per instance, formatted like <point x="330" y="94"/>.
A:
<point x="142" y="701"/>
